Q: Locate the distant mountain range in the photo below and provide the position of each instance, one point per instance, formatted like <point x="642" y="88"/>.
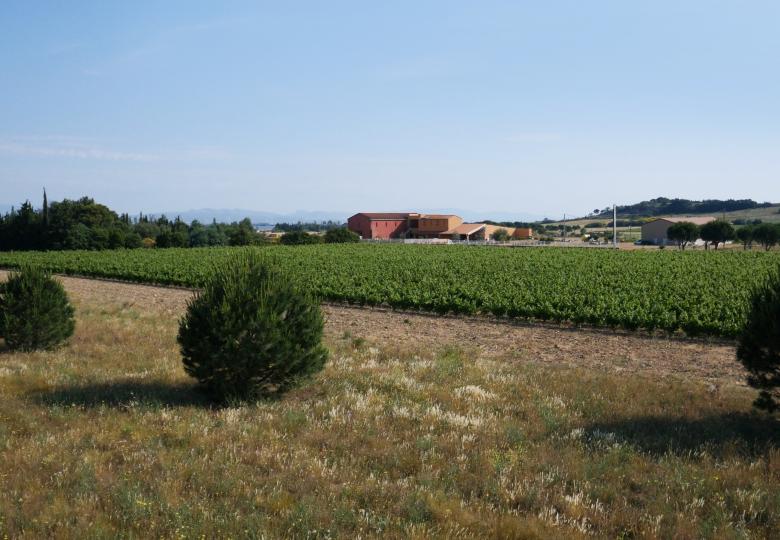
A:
<point x="229" y="215"/>
<point x="206" y="215"/>
<point x="653" y="207"/>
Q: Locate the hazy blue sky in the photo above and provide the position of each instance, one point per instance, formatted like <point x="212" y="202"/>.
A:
<point x="537" y="107"/>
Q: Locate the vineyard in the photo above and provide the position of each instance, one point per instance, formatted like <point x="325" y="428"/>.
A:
<point x="696" y="292"/>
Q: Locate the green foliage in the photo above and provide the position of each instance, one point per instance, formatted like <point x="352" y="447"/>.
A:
<point x="34" y="311"/>
<point x="85" y="224"/>
<point x="299" y="238"/>
<point x="700" y="292"/>
<point x="500" y="235"/>
<point x="342" y="235"/>
<point x="746" y="235"/>
<point x="662" y="206"/>
<point x="311" y="226"/>
<point x="767" y="234"/>
<point x="683" y="232"/>
<point x="716" y="232"/>
<point x="759" y="343"/>
<point x="2" y="318"/>
<point x="244" y="234"/>
<point x="250" y="332"/>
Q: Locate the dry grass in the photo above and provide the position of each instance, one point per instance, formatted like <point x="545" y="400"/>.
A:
<point x="108" y="438"/>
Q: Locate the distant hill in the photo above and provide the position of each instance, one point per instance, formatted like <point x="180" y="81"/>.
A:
<point x="229" y="215"/>
<point x="662" y="206"/>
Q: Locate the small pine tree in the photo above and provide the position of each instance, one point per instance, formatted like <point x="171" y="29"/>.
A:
<point x="251" y="332"/>
<point x="759" y="344"/>
<point x="34" y="311"/>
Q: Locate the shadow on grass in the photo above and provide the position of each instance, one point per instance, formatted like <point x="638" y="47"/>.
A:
<point x="128" y="393"/>
<point x="746" y="433"/>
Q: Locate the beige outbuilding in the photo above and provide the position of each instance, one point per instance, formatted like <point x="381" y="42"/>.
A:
<point x="655" y="231"/>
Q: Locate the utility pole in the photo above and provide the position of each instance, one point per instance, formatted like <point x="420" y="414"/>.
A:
<point x="614" y="225"/>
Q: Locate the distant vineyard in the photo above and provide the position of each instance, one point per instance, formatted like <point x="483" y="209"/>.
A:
<point x="697" y="292"/>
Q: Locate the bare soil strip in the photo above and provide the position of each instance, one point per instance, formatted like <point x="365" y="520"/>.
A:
<point x="617" y="351"/>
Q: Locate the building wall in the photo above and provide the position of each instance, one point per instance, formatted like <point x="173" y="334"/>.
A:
<point x="432" y="227"/>
<point x="655" y="231"/>
<point x="452" y="222"/>
<point x="360" y="224"/>
<point x="523" y="233"/>
<point x="369" y="228"/>
<point x="387" y="228"/>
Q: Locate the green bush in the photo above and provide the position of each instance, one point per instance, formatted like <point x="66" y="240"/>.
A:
<point x="684" y="233"/>
<point x="716" y="232"/>
<point x="251" y="332"/>
<point x="341" y="235"/>
<point x="759" y="344"/>
<point x="34" y="311"/>
<point x="500" y="235"/>
<point x="297" y="238"/>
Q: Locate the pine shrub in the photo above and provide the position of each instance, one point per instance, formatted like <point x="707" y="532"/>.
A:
<point x="759" y="344"/>
<point x="251" y="332"/>
<point x="35" y="312"/>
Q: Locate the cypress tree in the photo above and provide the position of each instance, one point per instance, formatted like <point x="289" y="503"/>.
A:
<point x="45" y="210"/>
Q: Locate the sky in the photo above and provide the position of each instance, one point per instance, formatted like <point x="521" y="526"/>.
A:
<point x="528" y="108"/>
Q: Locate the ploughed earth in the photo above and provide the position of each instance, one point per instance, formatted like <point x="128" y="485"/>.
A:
<point x="541" y="343"/>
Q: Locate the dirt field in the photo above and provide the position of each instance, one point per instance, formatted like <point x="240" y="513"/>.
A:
<point x="615" y="351"/>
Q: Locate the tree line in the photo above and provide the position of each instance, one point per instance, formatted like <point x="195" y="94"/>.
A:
<point x="719" y="231"/>
<point x="664" y="206"/>
<point x="310" y="226"/>
<point x="85" y="224"/>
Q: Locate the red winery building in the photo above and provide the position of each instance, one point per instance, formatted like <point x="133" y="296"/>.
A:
<point x="379" y="224"/>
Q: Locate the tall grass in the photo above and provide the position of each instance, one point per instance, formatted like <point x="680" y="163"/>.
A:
<point x="108" y="438"/>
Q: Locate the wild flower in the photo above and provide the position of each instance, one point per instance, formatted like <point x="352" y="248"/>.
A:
<point x="476" y="392"/>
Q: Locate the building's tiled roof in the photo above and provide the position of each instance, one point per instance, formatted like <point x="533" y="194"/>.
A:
<point x="384" y="215"/>
<point x="404" y="215"/>
<point x="466" y="228"/>
<point x="698" y="220"/>
<point x="438" y="216"/>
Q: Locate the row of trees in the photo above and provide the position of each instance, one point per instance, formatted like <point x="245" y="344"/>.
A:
<point x="333" y="236"/>
<point x="85" y="224"/>
<point x="720" y="231"/>
<point x="310" y="226"/>
<point x="764" y="234"/>
<point x="664" y="206"/>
